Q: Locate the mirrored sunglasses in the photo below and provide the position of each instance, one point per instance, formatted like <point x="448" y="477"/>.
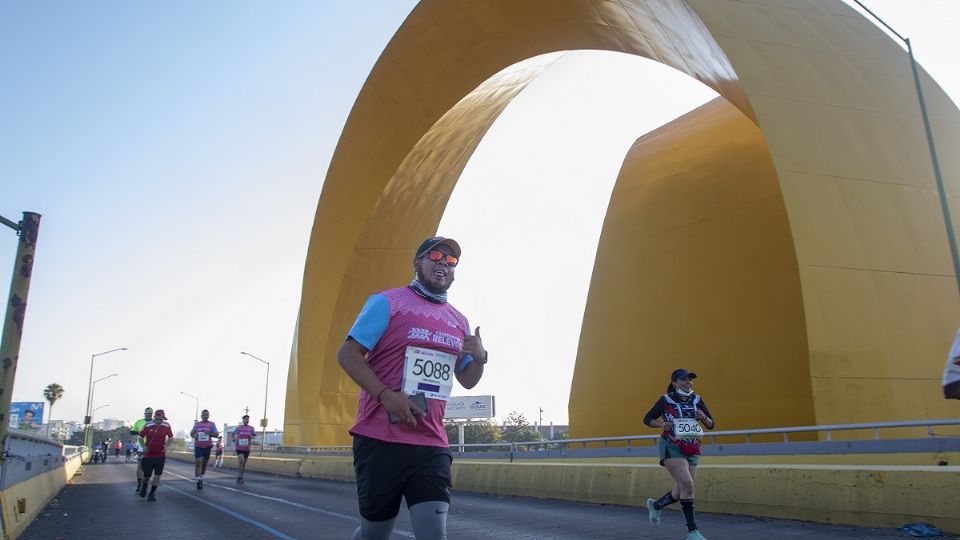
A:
<point x="437" y="256"/>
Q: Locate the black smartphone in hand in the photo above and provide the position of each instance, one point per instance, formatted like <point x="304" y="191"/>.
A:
<point x="418" y="399"/>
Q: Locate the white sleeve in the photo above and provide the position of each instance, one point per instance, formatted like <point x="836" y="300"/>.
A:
<point x="951" y="373"/>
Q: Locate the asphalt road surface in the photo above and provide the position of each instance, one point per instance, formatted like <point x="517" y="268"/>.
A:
<point x="100" y="503"/>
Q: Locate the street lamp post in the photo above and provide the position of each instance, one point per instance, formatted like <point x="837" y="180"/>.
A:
<point x="97" y="409"/>
<point x="196" y="409"/>
<point x="937" y="175"/>
<point x="263" y="423"/>
<point x="88" y="434"/>
<point x="93" y="392"/>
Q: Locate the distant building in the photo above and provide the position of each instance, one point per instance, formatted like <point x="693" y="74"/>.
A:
<point x="109" y="424"/>
<point x="274" y="437"/>
<point x="57" y="430"/>
<point x="551" y="432"/>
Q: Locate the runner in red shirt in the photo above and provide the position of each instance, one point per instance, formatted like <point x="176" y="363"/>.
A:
<point x="155" y="437"/>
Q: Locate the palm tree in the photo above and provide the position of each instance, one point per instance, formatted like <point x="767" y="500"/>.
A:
<point x="52" y="392"/>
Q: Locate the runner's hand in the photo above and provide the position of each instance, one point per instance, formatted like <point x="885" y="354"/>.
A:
<point x="400" y="405"/>
<point x="667" y="426"/>
<point x="473" y="345"/>
<point x="701" y="416"/>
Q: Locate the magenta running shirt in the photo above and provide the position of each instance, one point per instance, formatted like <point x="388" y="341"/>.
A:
<point x="243" y="437"/>
<point x="390" y="322"/>
<point x="203" y="434"/>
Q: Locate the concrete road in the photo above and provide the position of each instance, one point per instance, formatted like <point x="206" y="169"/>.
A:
<point x="100" y="503"/>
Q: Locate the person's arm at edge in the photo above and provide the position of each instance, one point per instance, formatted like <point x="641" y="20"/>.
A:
<point x="470" y="375"/>
<point x="708" y="418"/>
<point x="654" y="417"/>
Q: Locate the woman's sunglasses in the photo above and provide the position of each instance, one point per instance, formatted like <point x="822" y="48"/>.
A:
<point x="437" y="256"/>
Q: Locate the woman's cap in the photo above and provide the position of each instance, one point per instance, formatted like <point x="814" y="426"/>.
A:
<point x="682" y="374"/>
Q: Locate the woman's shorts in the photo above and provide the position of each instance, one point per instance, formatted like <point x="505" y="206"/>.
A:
<point x="668" y="450"/>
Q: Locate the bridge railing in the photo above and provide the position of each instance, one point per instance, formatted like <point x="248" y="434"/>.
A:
<point x="876" y="437"/>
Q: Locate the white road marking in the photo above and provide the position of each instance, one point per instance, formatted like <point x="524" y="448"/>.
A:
<point x="354" y="519"/>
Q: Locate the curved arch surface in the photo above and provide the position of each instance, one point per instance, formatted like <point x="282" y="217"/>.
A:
<point x="854" y="246"/>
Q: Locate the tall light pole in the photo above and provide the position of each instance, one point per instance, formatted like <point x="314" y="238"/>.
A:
<point x="263" y="422"/>
<point x="937" y="175"/>
<point x="88" y="435"/>
<point x="196" y="409"/>
<point x="97" y="409"/>
<point x="92" y="393"/>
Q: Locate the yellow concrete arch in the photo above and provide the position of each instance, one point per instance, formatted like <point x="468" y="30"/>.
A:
<point x="828" y="263"/>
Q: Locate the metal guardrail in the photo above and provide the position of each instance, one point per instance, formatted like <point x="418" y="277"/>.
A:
<point x="728" y="443"/>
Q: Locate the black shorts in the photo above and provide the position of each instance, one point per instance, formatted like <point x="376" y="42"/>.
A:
<point x="150" y="465"/>
<point x="244" y="453"/>
<point x="387" y="472"/>
<point x="199" y="452"/>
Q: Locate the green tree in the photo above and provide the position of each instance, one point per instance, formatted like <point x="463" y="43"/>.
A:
<point x="517" y="429"/>
<point x="52" y="393"/>
<point x="474" y="432"/>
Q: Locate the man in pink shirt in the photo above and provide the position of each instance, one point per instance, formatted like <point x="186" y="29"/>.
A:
<point x="404" y="350"/>
<point x="242" y="440"/>
<point x="155" y="435"/>
<point x="203" y="433"/>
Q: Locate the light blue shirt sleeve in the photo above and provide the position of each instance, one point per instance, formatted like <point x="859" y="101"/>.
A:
<point x="372" y="322"/>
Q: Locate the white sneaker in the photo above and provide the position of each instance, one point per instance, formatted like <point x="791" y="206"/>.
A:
<point x="653" y="513"/>
<point x="695" y="535"/>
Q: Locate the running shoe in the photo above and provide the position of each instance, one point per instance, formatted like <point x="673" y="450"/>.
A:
<point x="153" y="498"/>
<point x="654" y="513"/>
<point x="143" y="490"/>
<point x="695" y="535"/>
<point x="137" y="490"/>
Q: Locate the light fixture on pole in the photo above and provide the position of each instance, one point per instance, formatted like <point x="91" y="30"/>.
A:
<point x="87" y="436"/>
<point x="97" y="409"/>
<point x="263" y="422"/>
<point x="196" y="409"/>
<point x="93" y="392"/>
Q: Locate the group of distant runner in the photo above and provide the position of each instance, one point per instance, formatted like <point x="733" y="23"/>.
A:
<point x="154" y="435"/>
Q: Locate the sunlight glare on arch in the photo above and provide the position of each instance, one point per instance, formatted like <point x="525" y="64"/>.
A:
<point x="529" y="207"/>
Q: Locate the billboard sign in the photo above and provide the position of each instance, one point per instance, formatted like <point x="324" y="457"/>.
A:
<point x="26" y="415"/>
<point x="470" y="407"/>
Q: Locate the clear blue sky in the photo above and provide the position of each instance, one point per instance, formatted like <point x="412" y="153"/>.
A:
<point x="177" y="152"/>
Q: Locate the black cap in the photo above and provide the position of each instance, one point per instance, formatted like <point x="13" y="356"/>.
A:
<point x="682" y="374"/>
<point x="435" y="241"/>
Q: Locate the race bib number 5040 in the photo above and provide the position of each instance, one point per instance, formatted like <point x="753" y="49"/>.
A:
<point x="429" y="372"/>
<point x="687" y="428"/>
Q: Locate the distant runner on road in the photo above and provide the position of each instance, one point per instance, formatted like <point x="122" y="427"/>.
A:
<point x="203" y="433"/>
<point x="243" y="439"/>
<point x="135" y="430"/>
